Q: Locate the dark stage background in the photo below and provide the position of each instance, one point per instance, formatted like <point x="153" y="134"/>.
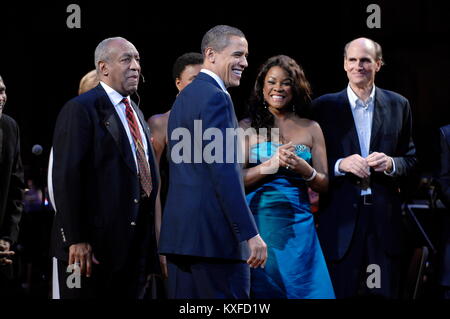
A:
<point x="42" y="60"/>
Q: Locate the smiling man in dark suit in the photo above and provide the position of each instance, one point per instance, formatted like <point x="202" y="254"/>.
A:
<point x="103" y="182"/>
<point x="11" y="191"/>
<point x="208" y="232"/>
<point x="370" y="149"/>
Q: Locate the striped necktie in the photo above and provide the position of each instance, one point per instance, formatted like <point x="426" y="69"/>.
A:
<point x="145" y="177"/>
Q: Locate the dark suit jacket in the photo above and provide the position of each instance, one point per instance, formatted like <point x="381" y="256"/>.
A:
<point x="11" y="179"/>
<point x="206" y="213"/>
<point x="391" y="134"/>
<point x="444" y="192"/>
<point x="95" y="183"/>
<point x="444" y="172"/>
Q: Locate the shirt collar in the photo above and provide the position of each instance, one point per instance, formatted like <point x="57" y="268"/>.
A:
<point x="353" y="98"/>
<point x="115" y="97"/>
<point x="215" y="77"/>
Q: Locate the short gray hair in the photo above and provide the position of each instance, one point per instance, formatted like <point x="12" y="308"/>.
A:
<point x="378" y="50"/>
<point x="218" y="37"/>
<point x="103" y="50"/>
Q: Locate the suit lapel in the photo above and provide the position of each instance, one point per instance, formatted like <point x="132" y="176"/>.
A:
<point x="206" y="77"/>
<point x="379" y="114"/>
<point x="350" y="142"/>
<point x="114" y="126"/>
<point x="233" y="113"/>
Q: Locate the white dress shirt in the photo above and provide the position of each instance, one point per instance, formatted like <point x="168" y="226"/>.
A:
<point x="362" y="115"/>
<point x="116" y="100"/>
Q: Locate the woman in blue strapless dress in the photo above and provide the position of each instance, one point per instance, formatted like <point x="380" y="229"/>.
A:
<point x="280" y="166"/>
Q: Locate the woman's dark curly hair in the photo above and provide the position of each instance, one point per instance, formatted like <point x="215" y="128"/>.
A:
<point x="301" y="90"/>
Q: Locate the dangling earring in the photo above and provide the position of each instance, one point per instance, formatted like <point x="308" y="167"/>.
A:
<point x="264" y="104"/>
<point x="293" y="108"/>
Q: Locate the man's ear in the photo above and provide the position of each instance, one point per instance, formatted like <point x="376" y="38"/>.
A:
<point x="379" y="64"/>
<point x="210" y="55"/>
<point x="177" y="83"/>
<point x="103" y="67"/>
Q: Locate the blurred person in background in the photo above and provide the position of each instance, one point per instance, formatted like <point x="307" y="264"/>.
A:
<point x="11" y="193"/>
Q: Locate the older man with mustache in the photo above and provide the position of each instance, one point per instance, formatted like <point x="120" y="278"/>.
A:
<point x="103" y="182"/>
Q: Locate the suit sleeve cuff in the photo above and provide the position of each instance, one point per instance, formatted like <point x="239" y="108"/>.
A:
<point x="393" y="168"/>
<point x="337" y="172"/>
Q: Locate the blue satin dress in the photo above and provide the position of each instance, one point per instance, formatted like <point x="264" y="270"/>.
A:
<point x="295" y="268"/>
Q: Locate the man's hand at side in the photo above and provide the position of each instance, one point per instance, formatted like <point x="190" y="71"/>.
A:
<point x="82" y="256"/>
<point x="258" y="252"/>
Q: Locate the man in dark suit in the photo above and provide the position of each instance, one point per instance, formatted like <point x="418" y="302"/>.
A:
<point x="184" y="71"/>
<point x="11" y="191"/>
<point x="370" y="149"/>
<point x="444" y="190"/>
<point x="103" y="182"/>
<point x="207" y="229"/>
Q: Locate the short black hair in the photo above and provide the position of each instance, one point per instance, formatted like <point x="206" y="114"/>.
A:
<point x="191" y="58"/>
<point x="218" y="37"/>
